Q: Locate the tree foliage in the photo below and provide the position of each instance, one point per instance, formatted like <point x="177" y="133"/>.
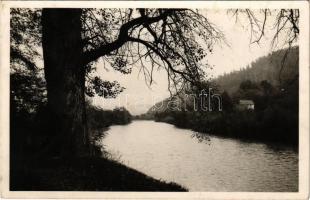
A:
<point x="176" y="40"/>
<point x="25" y="38"/>
<point x="26" y="78"/>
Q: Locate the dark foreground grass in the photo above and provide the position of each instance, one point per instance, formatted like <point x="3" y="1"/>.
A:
<point x="83" y="174"/>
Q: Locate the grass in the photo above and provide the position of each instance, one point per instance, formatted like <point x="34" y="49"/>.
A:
<point x="83" y="174"/>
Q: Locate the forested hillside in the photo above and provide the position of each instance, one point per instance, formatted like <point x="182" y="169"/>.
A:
<point x="272" y="88"/>
<point x="267" y="68"/>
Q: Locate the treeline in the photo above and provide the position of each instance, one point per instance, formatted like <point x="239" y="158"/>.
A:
<point x="98" y="118"/>
<point x="274" y="118"/>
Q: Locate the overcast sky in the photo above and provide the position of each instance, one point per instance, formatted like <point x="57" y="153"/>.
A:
<point x="138" y="97"/>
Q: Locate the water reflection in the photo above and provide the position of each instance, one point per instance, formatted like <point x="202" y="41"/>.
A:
<point x="202" y="162"/>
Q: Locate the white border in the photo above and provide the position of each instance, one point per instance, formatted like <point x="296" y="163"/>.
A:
<point x="303" y="99"/>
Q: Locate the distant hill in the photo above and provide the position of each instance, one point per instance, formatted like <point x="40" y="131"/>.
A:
<point x="264" y="68"/>
<point x="168" y="103"/>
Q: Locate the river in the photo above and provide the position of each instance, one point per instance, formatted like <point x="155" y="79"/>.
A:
<point x="200" y="162"/>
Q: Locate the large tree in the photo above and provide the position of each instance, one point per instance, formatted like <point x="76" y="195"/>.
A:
<point x="74" y="38"/>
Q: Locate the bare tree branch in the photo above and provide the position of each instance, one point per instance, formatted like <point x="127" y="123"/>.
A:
<point x="90" y="56"/>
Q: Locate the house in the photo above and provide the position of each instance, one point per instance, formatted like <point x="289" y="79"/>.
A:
<point x="245" y="105"/>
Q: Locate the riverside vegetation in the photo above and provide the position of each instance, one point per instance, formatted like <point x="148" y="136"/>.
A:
<point x="274" y="90"/>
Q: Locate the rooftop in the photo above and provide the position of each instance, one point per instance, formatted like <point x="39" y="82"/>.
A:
<point x="246" y="102"/>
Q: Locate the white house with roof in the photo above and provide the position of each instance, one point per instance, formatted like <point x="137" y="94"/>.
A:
<point x="245" y="104"/>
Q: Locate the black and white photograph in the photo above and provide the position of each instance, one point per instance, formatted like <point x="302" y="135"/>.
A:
<point x="134" y="97"/>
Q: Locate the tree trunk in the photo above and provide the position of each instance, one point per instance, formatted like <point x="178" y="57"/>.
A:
<point x="65" y="77"/>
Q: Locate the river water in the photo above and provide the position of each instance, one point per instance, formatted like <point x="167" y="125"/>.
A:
<point x="200" y="162"/>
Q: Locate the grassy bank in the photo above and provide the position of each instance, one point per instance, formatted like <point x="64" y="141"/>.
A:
<point x="84" y="174"/>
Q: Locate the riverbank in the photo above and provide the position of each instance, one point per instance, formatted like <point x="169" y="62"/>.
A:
<point x="35" y="164"/>
<point x="84" y="174"/>
<point x="272" y="127"/>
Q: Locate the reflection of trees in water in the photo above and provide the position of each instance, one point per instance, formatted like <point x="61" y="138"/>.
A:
<point x="245" y="143"/>
<point x="201" y="137"/>
<point x="278" y="147"/>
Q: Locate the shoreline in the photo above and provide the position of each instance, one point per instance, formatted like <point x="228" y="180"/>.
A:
<point x="243" y="139"/>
